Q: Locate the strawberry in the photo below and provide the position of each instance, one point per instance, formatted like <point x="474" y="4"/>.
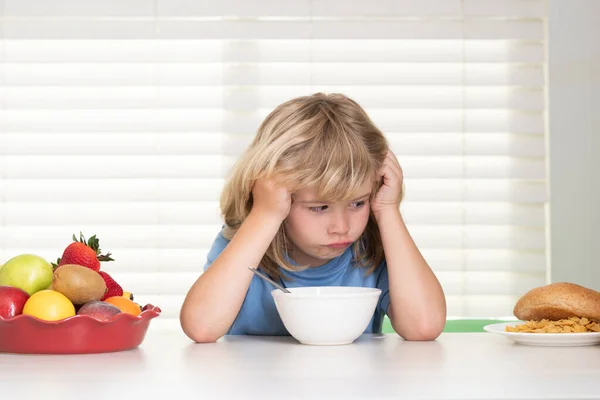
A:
<point x="112" y="287"/>
<point x="82" y="252"/>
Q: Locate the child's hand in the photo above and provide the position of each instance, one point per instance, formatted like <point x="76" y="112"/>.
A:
<point x="390" y="193"/>
<point x="269" y="198"/>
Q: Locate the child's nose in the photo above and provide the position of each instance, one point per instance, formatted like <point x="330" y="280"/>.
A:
<point x="340" y="225"/>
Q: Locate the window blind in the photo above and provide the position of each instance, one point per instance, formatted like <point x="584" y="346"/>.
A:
<point x="121" y="119"/>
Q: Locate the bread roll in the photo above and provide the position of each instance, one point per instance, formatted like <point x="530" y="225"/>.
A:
<point x="559" y="300"/>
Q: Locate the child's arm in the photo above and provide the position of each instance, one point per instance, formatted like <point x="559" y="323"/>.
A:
<point x="417" y="304"/>
<point x="215" y="299"/>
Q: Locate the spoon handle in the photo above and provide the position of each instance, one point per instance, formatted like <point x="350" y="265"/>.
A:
<point x="266" y="278"/>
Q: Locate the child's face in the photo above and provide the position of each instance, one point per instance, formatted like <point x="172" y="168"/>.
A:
<point x="321" y="230"/>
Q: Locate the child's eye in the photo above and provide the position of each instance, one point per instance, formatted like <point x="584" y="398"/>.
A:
<point x="358" y="204"/>
<point x="318" y="208"/>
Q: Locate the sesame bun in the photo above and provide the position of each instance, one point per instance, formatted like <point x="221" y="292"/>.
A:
<point x="558" y="301"/>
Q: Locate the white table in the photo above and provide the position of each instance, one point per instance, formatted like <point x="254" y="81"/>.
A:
<point x="170" y="366"/>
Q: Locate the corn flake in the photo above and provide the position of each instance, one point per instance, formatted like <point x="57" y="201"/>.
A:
<point x="571" y="325"/>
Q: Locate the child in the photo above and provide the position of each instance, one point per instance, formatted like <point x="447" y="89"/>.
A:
<point x="314" y="201"/>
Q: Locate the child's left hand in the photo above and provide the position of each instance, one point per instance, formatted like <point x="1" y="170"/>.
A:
<point x="390" y="193"/>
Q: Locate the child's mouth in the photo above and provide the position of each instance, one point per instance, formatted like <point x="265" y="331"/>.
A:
<point x="339" y="245"/>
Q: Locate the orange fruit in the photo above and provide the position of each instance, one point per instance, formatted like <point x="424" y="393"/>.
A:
<point x="49" y="305"/>
<point x="125" y="305"/>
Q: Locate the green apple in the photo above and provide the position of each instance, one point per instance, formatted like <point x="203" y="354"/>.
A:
<point x="28" y="272"/>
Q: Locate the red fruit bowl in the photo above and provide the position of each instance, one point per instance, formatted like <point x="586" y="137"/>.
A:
<point x="80" y="334"/>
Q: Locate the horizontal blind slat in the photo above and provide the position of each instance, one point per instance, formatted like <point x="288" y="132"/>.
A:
<point x="213" y="166"/>
<point x="112" y="236"/>
<point x="115" y="166"/>
<point x="150" y="213"/>
<point x="174" y="260"/>
<point x="64" y="28"/>
<point x="202" y="235"/>
<point x="241" y="8"/>
<point x="272" y="51"/>
<point x="199" y="120"/>
<point x="270" y="74"/>
<point x="190" y="189"/>
<point x="247" y="99"/>
<point x="132" y="143"/>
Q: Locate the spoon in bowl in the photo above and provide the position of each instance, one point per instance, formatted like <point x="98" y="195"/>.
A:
<point x="266" y="278"/>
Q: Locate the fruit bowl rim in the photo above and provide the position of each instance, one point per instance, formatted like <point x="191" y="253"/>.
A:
<point x="151" y="312"/>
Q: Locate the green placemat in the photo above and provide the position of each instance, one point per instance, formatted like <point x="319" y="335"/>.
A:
<point x="453" y="325"/>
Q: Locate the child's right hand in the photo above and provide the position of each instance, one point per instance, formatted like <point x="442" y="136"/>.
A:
<point x="271" y="199"/>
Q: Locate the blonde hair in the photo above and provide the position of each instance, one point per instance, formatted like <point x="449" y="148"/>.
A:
<point x="323" y="141"/>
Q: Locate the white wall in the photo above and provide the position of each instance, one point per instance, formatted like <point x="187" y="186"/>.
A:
<point x="574" y="140"/>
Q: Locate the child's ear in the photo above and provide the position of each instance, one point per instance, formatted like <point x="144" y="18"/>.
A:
<point x="249" y="202"/>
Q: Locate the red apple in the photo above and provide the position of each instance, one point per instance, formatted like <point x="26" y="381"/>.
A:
<point x="12" y="300"/>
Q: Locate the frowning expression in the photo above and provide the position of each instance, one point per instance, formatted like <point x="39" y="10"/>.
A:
<point x="321" y="230"/>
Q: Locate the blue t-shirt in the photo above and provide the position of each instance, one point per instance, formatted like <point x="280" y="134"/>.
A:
<point x="258" y="315"/>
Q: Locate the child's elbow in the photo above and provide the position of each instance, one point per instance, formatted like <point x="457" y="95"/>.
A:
<point x="200" y="334"/>
<point x="428" y="333"/>
<point x="198" y="331"/>
<point x="203" y="338"/>
<point x="422" y="331"/>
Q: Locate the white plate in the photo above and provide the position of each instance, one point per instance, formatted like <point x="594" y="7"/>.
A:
<point x="545" y="339"/>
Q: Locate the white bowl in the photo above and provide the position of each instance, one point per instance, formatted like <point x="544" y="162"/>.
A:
<point x="326" y="315"/>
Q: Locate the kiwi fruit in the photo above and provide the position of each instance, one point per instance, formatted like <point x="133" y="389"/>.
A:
<point x="80" y="284"/>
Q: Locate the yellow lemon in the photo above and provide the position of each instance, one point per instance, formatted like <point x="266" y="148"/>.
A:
<point x="49" y="305"/>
